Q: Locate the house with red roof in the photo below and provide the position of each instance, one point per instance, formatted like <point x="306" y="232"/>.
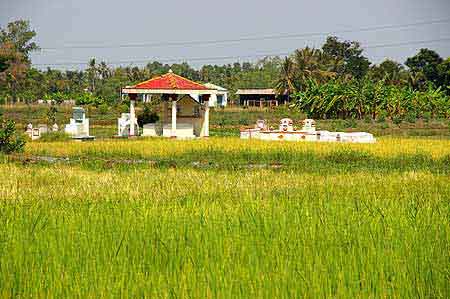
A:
<point x="185" y="106"/>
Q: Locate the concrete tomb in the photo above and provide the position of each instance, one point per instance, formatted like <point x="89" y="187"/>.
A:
<point x="78" y="128"/>
<point x="124" y="124"/>
<point x="308" y="132"/>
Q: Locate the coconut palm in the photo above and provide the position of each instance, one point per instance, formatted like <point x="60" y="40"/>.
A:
<point x="312" y="64"/>
<point x="286" y="82"/>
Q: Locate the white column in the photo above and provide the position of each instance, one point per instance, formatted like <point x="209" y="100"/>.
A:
<point x="132" y="118"/>
<point x="206" y="120"/>
<point x="174" y="118"/>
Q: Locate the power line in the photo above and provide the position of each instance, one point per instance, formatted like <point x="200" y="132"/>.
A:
<point x="215" y="58"/>
<point x="220" y="58"/>
<point x="244" y="39"/>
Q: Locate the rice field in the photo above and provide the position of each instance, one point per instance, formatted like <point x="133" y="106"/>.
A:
<point x="226" y="218"/>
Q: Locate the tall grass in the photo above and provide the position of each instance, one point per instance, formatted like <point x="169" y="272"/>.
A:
<point x="68" y="230"/>
<point x="386" y="155"/>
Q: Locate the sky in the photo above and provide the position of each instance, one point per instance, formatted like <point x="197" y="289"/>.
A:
<point x="72" y="32"/>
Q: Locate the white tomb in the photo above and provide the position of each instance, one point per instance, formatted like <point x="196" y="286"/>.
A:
<point x="33" y="133"/>
<point x="124" y="124"/>
<point x="78" y="128"/>
<point x="308" y="132"/>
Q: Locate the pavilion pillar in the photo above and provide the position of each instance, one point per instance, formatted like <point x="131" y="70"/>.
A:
<point x="174" y="117"/>
<point x="205" y="125"/>
<point x="132" y="114"/>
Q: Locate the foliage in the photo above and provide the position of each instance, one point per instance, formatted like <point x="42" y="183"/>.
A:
<point x="347" y="57"/>
<point x="10" y="140"/>
<point x="15" y="46"/>
<point x="339" y="69"/>
<point x="286" y="80"/>
<point x="426" y="62"/>
<point x="88" y="99"/>
<point x="389" y="71"/>
<point x="360" y="98"/>
<point x="51" y="114"/>
<point x="103" y="108"/>
<point x="19" y="34"/>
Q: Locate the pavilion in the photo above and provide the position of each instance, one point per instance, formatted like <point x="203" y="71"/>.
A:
<point x="188" y="116"/>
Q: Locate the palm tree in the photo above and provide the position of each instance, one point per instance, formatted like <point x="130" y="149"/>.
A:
<point x="312" y="64"/>
<point x="286" y="82"/>
<point x="92" y="73"/>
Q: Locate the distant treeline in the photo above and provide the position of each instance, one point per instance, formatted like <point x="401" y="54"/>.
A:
<point x="336" y="80"/>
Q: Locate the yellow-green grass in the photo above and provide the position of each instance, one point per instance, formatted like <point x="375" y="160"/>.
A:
<point x="323" y="223"/>
<point x="388" y="154"/>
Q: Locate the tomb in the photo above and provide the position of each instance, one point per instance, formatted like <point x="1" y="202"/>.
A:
<point x="78" y="128"/>
<point x="124" y="124"/>
<point x="308" y="132"/>
<point x="33" y="133"/>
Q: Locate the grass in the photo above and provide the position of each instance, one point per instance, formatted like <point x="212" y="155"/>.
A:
<point x="388" y="154"/>
<point x="226" y="218"/>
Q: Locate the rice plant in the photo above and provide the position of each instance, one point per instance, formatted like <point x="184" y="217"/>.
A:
<point x="223" y="218"/>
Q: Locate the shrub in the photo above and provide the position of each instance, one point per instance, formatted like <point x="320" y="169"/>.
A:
<point x="103" y="109"/>
<point x="426" y="116"/>
<point x="337" y="125"/>
<point x="122" y="108"/>
<point x="382" y="116"/>
<point x="89" y="99"/>
<point x="10" y="140"/>
<point x="350" y="123"/>
<point x="397" y="119"/>
<point x="411" y="117"/>
<point x="51" y="114"/>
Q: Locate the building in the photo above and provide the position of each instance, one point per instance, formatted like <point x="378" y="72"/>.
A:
<point x="220" y="98"/>
<point x="185" y="106"/>
<point x="260" y="97"/>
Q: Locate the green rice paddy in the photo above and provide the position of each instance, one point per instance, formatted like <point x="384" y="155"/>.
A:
<point x="225" y="218"/>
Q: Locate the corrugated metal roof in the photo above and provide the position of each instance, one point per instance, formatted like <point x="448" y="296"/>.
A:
<point x="256" y="91"/>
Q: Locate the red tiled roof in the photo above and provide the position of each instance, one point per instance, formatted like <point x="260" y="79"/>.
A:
<point x="170" y="81"/>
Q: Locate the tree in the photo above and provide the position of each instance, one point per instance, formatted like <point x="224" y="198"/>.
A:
<point x="15" y="46"/>
<point x="51" y="114"/>
<point x="427" y="63"/>
<point x="13" y="67"/>
<point x="286" y="81"/>
<point x="10" y="141"/>
<point x="92" y="74"/>
<point x="444" y="73"/>
<point x="347" y="57"/>
<point x="19" y="34"/>
<point x="311" y="64"/>
<point x="389" y="71"/>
